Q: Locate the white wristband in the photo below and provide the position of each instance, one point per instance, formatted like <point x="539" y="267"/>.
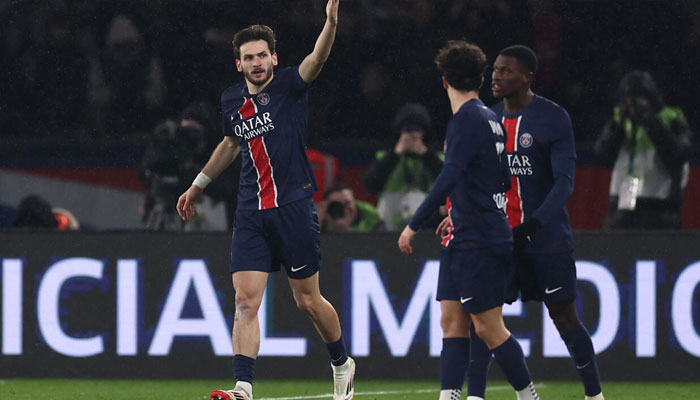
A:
<point x="201" y="181"/>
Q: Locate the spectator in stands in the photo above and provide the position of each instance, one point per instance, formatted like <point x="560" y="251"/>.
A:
<point x="403" y="176"/>
<point x="34" y="212"/>
<point x="341" y="212"/>
<point x="647" y="144"/>
<point x="61" y="87"/>
<point x="126" y="84"/>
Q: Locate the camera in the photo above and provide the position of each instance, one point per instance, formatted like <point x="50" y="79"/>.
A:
<point x="336" y="209"/>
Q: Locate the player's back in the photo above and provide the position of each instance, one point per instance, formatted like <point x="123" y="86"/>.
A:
<point x="475" y="143"/>
<point x="272" y="129"/>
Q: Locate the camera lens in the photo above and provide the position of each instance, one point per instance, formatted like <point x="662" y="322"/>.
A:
<point x="336" y="209"/>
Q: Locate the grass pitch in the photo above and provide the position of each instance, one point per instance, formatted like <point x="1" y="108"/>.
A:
<point x="69" y="389"/>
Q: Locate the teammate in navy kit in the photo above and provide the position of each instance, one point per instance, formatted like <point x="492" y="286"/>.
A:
<point x="265" y="119"/>
<point x="473" y="268"/>
<point x="542" y="160"/>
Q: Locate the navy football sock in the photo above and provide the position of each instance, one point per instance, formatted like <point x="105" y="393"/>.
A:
<point x="243" y="368"/>
<point x="337" y="351"/>
<point x="478" y="366"/>
<point x="510" y="358"/>
<point x="454" y="360"/>
<point x="580" y="347"/>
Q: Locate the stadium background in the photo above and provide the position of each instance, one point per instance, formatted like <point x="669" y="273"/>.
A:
<point x="382" y="58"/>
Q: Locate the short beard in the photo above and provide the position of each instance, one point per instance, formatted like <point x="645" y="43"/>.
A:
<point x="249" y="77"/>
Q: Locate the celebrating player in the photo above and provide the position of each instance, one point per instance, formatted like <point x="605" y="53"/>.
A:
<point x="472" y="280"/>
<point x="542" y="160"/>
<point x="265" y="118"/>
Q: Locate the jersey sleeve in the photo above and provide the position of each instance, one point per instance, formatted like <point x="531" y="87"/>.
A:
<point x="444" y="183"/>
<point x="460" y="149"/>
<point x="298" y="84"/>
<point x="563" y="159"/>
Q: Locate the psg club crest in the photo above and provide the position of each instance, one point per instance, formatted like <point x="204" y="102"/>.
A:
<point x="263" y="98"/>
<point x="526" y="140"/>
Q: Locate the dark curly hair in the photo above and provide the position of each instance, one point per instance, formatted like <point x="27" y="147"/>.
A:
<point x="463" y="65"/>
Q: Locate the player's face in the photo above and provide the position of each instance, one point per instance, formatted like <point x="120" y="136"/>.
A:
<point x="508" y="77"/>
<point x="256" y="62"/>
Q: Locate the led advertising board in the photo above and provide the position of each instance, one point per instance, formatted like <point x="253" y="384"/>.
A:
<point x="158" y="305"/>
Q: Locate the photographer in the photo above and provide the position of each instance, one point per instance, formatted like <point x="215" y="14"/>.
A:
<point x="403" y="176"/>
<point x="176" y="152"/>
<point x="648" y="145"/>
<point x="341" y="212"/>
<point x="172" y="159"/>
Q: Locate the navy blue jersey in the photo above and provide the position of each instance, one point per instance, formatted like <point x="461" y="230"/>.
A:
<point x="475" y="177"/>
<point x="542" y="160"/>
<point x="272" y="127"/>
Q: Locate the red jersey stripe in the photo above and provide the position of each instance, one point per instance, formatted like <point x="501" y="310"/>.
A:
<point x="448" y="236"/>
<point x="514" y="206"/>
<point x="248" y="109"/>
<point x="267" y="192"/>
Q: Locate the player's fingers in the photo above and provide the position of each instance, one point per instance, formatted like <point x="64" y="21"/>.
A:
<point x="184" y="205"/>
<point x="440" y="229"/>
<point x="405" y="245"/>
<point x="180" y="207"/>
<point x="190" y="210"/>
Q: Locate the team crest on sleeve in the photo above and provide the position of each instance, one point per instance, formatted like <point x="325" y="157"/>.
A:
<point x="263" y="98"/>
<point x="526" y="140"/>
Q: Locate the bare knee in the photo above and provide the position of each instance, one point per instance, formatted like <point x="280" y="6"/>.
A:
<point x="247" y="305"/>
<point x="308" y="304"/>
<point x="454" y="325"/>
<point x="482" y="332"/>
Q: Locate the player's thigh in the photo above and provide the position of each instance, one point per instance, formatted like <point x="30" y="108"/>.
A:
<point x="296" y="238"/>
<point x="480" y="276"/>
<point x="556" y="277"/>
<point x="250" y="248"/>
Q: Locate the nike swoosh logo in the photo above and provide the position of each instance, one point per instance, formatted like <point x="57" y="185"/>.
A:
<point x="583" y="366"/>
<point x="463" y="300"/>
<point x="298" y="268"/>
<point x="548" y="291"/>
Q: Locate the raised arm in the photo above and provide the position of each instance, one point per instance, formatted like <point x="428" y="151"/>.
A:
<point x="312" y="64"/>
<point x="223" y="155"/>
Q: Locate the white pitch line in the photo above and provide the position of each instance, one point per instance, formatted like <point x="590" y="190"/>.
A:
<point x="383" y="393"/>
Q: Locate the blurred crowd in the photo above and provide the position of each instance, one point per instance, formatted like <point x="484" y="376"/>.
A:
<point x="84" y="70"/>
<point x="99" y="71"/>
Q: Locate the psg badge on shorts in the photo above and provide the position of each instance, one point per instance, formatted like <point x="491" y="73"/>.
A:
<point x="526" y="140"/>
<point x="263" y="98"/>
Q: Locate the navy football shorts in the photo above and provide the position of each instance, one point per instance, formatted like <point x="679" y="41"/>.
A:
<point x="543" y="277"/>
<point x="476" y="278"/>
<point x="265" y="240"/>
